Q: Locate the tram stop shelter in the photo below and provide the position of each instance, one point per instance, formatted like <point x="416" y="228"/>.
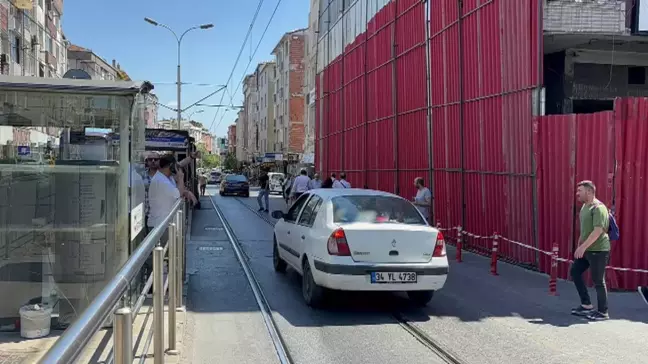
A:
<point x="70" y="202"/>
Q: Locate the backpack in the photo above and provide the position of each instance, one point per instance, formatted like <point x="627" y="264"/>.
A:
<point x="613" y="228"/>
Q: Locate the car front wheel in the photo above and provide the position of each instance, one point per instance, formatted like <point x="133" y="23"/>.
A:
<point x="313" y="294"/>
<point x="420" y="298"/>
<point x="278" y="263"/>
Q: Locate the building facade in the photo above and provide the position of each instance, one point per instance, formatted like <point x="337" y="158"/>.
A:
<point x="309" y="82"/>
<point x="151" y="111"/>
<point x="86" y="60"/>
<point x="289" y="93"/>
<point x="207" y="141"/>
<point x="241" y="136"/>
<point x="251" y="108"/>
<point x="265" y="74"/>
<point x="31" y="40"/>
<point x="231" y="139"/>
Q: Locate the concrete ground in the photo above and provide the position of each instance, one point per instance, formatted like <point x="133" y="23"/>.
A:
<point x="482" y="318"/>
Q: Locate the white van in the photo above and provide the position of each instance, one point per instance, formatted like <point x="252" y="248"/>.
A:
<point x="276" y="179"/>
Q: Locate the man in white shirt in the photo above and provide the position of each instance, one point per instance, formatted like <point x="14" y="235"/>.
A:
<point x="301" y="184"/>
<point x="163" y="193"/>
<point x="342" y="182"/>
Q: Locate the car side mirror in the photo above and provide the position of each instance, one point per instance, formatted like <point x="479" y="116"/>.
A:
<point x="277" y="214"/>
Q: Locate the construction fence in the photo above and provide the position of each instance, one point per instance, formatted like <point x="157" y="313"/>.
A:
<point x="450" y="91"/>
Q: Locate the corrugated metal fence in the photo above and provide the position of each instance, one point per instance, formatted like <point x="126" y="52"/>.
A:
<point x="470" y="130"/>
<point x="611" y="149"/>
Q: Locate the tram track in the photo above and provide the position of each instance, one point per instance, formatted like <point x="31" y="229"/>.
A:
<point x="411" y="328"/>
<point x="266" y="312"/>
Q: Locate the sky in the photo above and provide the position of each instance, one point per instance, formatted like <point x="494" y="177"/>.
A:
<point x="116" y="30"/>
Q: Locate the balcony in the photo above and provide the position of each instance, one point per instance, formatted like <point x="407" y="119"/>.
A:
<point x="586" y="16"/>
<point x="50" y="59"/>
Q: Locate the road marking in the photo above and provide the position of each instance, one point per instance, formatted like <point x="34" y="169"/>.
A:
<point x="213" y="228"/>
<point x="210" y="248"/>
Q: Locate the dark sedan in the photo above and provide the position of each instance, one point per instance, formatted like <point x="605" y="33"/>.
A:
<point x="235" y="184"/>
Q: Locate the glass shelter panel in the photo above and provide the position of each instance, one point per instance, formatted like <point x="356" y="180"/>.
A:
<point x="64" y="198"/>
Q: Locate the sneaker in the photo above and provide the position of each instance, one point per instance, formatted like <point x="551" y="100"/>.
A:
<point x="582" y="311"/>
<point x="260" y="209"/>
<point x="266" y="210"/>
<point x="598" y="316"/>
<point x="643" y="292"/>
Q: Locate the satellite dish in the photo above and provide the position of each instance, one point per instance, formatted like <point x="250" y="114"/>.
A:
<point x="77" y="74"/>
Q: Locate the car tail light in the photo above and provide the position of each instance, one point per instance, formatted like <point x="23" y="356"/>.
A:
<point x="337" y="244"/>
<point x="439" y="248"/>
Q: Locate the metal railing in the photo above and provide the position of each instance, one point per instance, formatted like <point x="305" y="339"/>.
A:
<point x="110" y="300"/>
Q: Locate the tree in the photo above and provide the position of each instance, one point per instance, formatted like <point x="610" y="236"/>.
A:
<point x="230" y="162"/>
<point x="207" y="160"/>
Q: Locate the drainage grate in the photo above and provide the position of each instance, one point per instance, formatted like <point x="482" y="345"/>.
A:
<point x="210" y="248"/>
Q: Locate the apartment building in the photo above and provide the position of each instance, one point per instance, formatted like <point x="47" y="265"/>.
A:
<point x="251" y="108"/>
<point x="31" y="40"/>
<point x="289" y="94"/>
<point x="96" y="68"/>
<point x="309" y="82"/>
<point x="231" y="139"/>
<point x="241" y="136"/>
<point x="265" y="74"/>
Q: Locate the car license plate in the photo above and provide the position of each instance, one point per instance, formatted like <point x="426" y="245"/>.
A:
<point x="393" y="277"/>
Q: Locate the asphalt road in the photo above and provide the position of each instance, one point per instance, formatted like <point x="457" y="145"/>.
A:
<point x="482" y="319"/>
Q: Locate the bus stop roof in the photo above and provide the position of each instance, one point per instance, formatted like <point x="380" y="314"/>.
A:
<point x="73" y="85"/>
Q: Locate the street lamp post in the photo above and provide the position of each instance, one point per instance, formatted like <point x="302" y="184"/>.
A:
<point x="179" y="40"/>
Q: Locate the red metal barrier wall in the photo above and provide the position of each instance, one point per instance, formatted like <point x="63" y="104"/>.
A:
<point x="484" y="68"/>
<point x="372" y="120"/>
<point x="610" y="149"/>
<point x="630" y="186"/>
<point x="571" y="148"/>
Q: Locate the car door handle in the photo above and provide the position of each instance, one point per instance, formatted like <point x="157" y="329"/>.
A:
<point x="303" y="237"/>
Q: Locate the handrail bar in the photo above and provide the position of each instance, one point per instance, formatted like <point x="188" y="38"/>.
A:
<point x="74" y="340"/>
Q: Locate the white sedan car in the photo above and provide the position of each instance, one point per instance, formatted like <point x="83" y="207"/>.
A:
<point x="359" y="240"/>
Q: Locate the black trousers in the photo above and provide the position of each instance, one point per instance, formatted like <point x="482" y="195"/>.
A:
<point x="596" y="263"/>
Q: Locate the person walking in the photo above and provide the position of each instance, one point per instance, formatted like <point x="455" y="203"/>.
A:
<point x="202" y="181"/>
<point x="593" y="252"/>
<point x="342" y="182"/>
<point x="264" y="193"/>
<point x="288" y="182"/>
<point x="423" y="198"/>
<point x="316" y="182"/>
<point x="328" y="183"/>
<point x="300" y="185"/>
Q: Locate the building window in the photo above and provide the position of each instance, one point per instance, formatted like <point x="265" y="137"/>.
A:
<point x="16" y="50"/>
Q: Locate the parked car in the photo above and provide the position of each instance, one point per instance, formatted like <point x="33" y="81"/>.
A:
<point x="214" y="178"/>
<point x="235" y="184"/>
<point x="359" y="240"/>
<point x="276" y="181"/>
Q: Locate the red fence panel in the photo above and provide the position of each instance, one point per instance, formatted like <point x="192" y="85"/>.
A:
<point x="630" y="186"/>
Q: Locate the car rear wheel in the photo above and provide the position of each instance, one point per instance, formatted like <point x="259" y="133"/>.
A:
<point x="312" y="293"/>
<point x="221" y="193"/>
<point x="247" y="194"/>
<point x="421" y="298"/>
<point x="278" y="263"/>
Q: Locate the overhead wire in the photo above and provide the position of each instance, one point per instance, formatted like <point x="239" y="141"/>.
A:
<point x="248" y="65"/>
<point x="238" y="57"/>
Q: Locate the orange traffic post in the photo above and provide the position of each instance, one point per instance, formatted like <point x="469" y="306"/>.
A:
<point x="554" y="271"/>
<point x="459" y="244"/>
<point x="494" y="250"/>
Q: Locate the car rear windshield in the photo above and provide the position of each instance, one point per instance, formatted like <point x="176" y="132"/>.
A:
<point x="375" y="209"/>
<point x="236" y="178"/>
<point x="215" y="174"/>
